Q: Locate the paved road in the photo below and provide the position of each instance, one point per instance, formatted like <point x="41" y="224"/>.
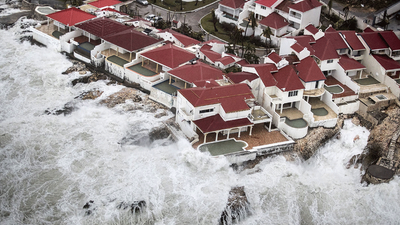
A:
<point x="191" y="18"/>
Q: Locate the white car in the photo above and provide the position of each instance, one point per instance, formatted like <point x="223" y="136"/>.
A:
<point x="149" y="17"/>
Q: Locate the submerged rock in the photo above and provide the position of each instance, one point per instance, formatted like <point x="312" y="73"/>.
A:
<point x="238" y="207"/>
<point x="158" y="133"/>
<point x="121" y="96"/>
<point x="93" y="94"/>
<point x="88" y="79"/>
<point x="67" y="109"/>
<point x="135" y="207"/>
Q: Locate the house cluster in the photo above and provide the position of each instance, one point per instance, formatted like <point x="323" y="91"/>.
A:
<point x="283" y="17"/>
<point x="314" y="78"/>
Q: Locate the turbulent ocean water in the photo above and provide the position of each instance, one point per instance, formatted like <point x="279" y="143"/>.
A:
<point x="52" y="165"/>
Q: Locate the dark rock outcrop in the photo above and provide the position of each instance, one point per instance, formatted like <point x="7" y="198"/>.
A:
<point x="67" y="109"/>
<point x="315" y="138"/>
<point x="93" y="94"/>
<point x="158" y="133"/>
<point x="121" y="96"/>
<point x="238" y="207"/>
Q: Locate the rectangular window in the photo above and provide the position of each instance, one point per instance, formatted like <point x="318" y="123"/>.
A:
<point x="206" y="110"/>
<point x="343" y="51"/>
<point x="293" y="93"/>
<point x="263" y="7"/>
<point x="330" y="60"/>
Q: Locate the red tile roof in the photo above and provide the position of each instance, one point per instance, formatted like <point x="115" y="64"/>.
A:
<point x="309" y="70"/>
<point x="241" y="76"/>
<point x="274" y="57"/>
<point x="234" y="4"/>
<point x="242" y="62"/>
<point x="350" y="64"/>
<point x="206" y="83"/>
<point x="386" y="62"/>
<point x="185" y="40"/>
<point x="197" y="72"/>
<point x="324" y="49"/>
<point x="71" y="16"/>
<point x="267" y="3"/>
<point x="169" y="55"/>
<point x="297" y="47"/>
<point x="226" y="60"/>
<point x="374" y="40"/>
<point x="131" y="40"/>
<point x="103" y="3"/>
<point x="231" y="97"/>
<point x="264" y="72"/>
<point x="352" y="39"/>
<point x="213" y="56"/>
<point x="216" y="123"/>
<point x="306" y="5"/>
<point x="368" y="29"/>
<point x="102" y="27"/>
<point x="311" y="29"/>
<point x="391" y="39"/>
<point x="336" y="40"/>
<point x="274" y="20"/>
<point x="287" y="79"/>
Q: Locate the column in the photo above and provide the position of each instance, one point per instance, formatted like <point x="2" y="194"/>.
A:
<point x="205" y="137"/>
<point x="239" y="133"/>
<point x="142" y="61"/>
<point x="170" y="77"/>
<point x="251" y="128"/>
<point x="228" y="134"/>
<point x="216" y="135"/>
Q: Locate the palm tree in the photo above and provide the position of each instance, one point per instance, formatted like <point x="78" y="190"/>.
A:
<point x="214" y="19"/>
<point x="252" y="21"/>
<point x="330" y="7"/>
<point x="267" y="34"/>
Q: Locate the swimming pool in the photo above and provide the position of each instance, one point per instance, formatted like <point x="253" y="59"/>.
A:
<point x="334" y="89"/>
<point x="296" y="123"/>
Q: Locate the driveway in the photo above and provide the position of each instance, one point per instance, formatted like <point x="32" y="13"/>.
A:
<point x="191" y="18"/>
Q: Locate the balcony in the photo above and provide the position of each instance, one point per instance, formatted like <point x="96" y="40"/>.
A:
<point x="259" y="115"/>
<point x="185" y="115"/>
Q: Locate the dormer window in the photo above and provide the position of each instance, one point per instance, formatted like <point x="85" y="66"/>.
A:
<point x="263" y="7"/>
<point x="330" y="61"/>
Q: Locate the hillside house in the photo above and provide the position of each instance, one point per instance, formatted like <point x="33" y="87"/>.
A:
<point x="284" y="17"/>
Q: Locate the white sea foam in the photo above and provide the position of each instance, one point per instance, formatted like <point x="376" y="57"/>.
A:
<point x="52" y="165"/>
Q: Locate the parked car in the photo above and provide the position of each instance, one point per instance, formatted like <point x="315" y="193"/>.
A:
<point x="149" y="17"/>
<point x="156" y="19"/>
<point x="142" y="2"/>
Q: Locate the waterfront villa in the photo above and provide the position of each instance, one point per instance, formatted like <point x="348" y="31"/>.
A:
<point x="55" y="32"/>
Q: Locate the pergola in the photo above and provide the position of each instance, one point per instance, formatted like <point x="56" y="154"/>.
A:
<point x="215" y="124"/>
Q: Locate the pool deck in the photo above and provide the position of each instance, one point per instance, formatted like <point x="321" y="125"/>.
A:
<point x="111" y="52"/>
<point x="138" y="68"/>
<point x="316" y="103"/>
<point x="347" y="91"/>
<point x="166" y="87"/>
<point x="49" y="29"/>
<point x="260" y="136"/>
